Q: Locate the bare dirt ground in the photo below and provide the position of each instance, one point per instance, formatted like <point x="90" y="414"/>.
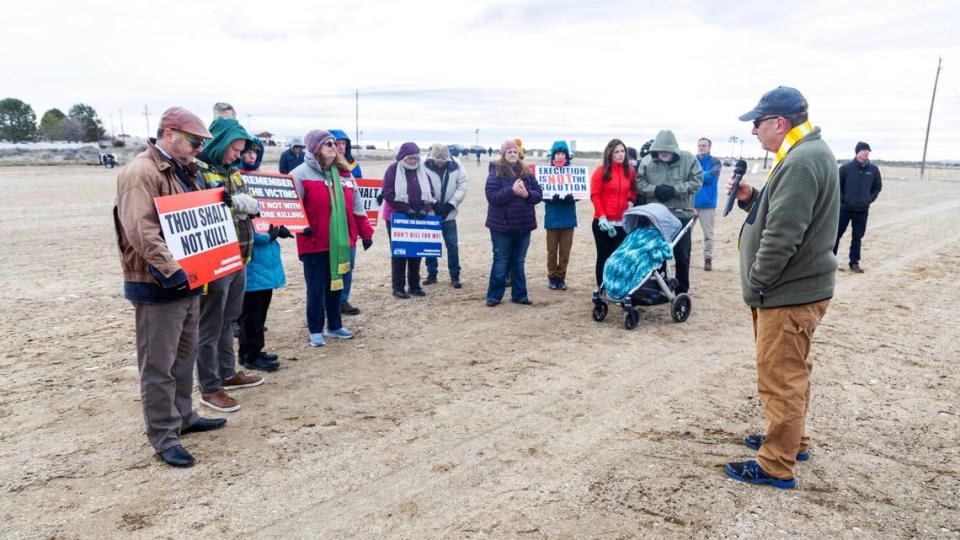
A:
<point x="445" y="418"/>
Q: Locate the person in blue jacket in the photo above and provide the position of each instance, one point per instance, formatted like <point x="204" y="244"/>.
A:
<point x="560" y="220"/>
<point x="264" y="274"/>
<point x="705" y="201"/>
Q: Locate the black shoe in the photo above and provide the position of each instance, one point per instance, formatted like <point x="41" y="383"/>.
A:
<point x="269" y="356"/>
<point x="855" y="268"/>
<point x="552" y="285"/>
<point x="525" y="301"/>
<point x="401" y="294"/>
<point x="418" y="292"/>
<point x="431" y="279"/>
<point x="347" y="309"/>
<point x="177" y="456"/>
<point x="261" y="363"/>
<point x="491" y="303"/>
<point x="561" y="284"/>
<point x="204" y="424"/>
<point x="456" y="283"/>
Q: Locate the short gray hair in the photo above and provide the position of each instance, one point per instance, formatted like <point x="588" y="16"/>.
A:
<point x="222" y="108"/>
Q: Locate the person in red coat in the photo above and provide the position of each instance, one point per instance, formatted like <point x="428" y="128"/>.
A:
<point x="612" y="192"/>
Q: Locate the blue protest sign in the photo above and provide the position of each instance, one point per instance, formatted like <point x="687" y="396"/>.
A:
<point x="415" y="237"/>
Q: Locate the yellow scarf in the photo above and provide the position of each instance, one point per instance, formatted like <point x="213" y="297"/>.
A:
<point x="792" y="138"/>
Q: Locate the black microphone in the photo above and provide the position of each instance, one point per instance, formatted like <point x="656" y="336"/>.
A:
<point x="738" y="171"/>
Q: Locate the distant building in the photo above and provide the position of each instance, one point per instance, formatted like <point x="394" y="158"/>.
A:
<point x="266" y="138"/>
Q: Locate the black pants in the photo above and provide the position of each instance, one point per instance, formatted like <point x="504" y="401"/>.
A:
<point x="252" y="320"/>
<point x="859" y="219"/>
<point x="606" y="245"/>
<point x="405" y="265"/>
<point x="681" y="257"/>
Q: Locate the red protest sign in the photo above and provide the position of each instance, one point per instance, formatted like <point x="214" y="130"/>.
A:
<point x="279" y="201"/>
<point x="368" y="190"/>
<point x="199" y="233"/>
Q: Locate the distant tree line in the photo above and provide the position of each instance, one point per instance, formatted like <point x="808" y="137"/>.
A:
<point x="18" y="123"/>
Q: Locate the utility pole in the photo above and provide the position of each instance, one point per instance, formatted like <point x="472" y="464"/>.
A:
<point x="478" y="137"/>
<point x="356" y="120"/>
<point x="250" y="123"/>
<point x="121" y="123"/>
<point x="733" y="141"/>
<point x="146" y="117"/>
<point x="926" y="138"/>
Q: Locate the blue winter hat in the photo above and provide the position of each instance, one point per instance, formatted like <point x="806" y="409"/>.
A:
<point x="560" y="146"/>
<point x="781" y="101"/>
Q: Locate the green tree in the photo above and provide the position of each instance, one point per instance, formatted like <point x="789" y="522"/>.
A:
<point x="53" y="125"/>
<point x="92" y="127"/>
<point x="18" y="122"/>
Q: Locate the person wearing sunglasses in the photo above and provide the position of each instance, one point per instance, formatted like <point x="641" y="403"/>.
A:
<point x="221" y="306"/>
<point x="330" y="200"/>
<point x="787" y="277"/>
<point x="166" y="309"/>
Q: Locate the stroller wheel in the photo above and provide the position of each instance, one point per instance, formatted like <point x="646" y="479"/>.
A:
<point x="631" y="318"/>
<point x="680" y="307"/>
<point x="600" y="311"/>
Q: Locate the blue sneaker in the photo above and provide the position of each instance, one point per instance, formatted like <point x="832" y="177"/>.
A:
<point x="316" y="340"/>
<point x="339" y="333"/>
<point x="754" y="441"/>
<point x="751" y="473"/>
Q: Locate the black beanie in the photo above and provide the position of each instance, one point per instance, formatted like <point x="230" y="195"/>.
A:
<point x="862" y="146"/>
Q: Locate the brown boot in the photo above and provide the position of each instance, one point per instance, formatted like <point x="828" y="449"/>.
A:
<point x="220" y="401"/>
<point x="707" y="265"/>
<point x="241" y="380"/>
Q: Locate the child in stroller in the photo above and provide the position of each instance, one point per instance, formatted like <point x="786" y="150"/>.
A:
<point x="637" y="273"/>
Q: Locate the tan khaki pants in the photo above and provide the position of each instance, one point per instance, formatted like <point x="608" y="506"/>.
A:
<point x="559" y="242"/>
<point x="783" y="337"/>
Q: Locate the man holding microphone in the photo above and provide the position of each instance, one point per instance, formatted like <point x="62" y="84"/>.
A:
<point x="787" y="275"/>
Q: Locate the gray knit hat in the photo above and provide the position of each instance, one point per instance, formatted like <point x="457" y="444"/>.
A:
<point x="439" y="152"/>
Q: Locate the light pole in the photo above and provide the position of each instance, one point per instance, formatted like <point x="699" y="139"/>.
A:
<point x="733" y="141"/>
<point x="478" y="137"/>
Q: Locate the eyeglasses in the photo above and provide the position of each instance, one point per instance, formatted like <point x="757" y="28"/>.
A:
<point x="195" y="142"/>
<point x="758" y="121"/>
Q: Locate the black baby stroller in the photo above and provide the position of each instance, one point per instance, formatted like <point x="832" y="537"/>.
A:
<point x="655" y="286"/>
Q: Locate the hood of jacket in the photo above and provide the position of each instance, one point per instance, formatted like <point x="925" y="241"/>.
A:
<point x="407" y="149"/>
<point x="665" y="141"/>
<point x="224" y="131"/>
<point x="254" y="142"/>
<point x="341" y="135"/>
<point x="559" y="146"/>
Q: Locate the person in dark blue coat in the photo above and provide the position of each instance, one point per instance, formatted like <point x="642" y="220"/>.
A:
<point x="860" y="185"/>
<point x="292" y="157"/>
<point x="512" y="193"/>
<point x="560" y="220"/>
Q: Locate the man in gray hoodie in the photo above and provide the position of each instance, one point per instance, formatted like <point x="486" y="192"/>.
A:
<point x="787" y="276"/>
<point x="671" y="177"/>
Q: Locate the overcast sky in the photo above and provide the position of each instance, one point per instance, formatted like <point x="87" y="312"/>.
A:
<point x="435" y="71"/>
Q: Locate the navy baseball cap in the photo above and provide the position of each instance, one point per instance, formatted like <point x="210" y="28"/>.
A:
<point x="781" y="101"/>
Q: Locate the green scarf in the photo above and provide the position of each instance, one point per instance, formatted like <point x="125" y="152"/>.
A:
<point x="339" y="231"/>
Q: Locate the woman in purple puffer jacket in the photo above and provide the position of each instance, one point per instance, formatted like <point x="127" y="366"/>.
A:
<point x="512" y="192"/>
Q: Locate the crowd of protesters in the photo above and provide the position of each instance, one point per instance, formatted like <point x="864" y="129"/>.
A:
<point x="181" y="330"/>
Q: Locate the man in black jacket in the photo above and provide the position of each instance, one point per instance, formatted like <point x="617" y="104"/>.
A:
<point x="860" y="185"/>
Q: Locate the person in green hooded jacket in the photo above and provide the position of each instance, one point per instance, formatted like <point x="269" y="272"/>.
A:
<point x="221" y="306"/>
<point x="672" y="177"/>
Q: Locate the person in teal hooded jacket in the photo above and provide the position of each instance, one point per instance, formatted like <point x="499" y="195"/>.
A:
<point x="221" y="306"/>
<point x="264" y="274"/>
<point x="560" y="220"/>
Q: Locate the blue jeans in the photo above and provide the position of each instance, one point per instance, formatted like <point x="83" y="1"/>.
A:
<point x="453" y="250"/>
<point x="348" y="277"/>
<point x="509" y="250"/>
<point x="321" y="301"/>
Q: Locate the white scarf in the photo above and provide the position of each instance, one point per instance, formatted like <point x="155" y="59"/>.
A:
<point x="400" y="183"/>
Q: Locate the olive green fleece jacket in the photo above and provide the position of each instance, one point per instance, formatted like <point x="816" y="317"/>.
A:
<point x="786" y="243"/>
<point x="683" y="173"/>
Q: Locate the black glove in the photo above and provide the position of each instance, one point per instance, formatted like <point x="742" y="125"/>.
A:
<point x="284" y="232"/>
<point x="367" y="242"/>
<point x="446" y="208"/>
<point x="227" y="198"/>
<point x="437" y="207"/>
<point x="274" y="232"/>
<point x="664" y="192"/>
<point x="568" y="197"/>
<point x="380" y="198"/>
<point x="421" y="213"/>
<point x="307" y="232"/>
<point x="555" y="198"/>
